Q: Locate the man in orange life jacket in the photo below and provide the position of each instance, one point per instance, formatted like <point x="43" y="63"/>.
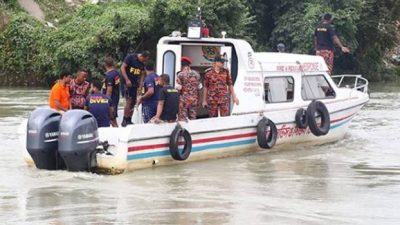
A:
<point x="324" y="38"/>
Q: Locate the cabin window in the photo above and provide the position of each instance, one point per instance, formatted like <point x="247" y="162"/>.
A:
<point x="169" y="61"/>
<point x="279" y="89"/>
<point x="316" y="87"/>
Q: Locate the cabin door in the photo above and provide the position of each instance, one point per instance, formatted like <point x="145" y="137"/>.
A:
<point x="169" y="60"/>
<point x="226" y="53"/>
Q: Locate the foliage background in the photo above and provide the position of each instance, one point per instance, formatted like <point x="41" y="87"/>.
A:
<point x="33" y="53"/>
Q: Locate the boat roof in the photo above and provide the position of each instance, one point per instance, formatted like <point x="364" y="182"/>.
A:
<point x="265" y="61"/>
<point x="236" y="42"/>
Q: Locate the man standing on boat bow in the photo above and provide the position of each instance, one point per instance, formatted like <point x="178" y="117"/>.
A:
<point x="324" y="38"/>
<point x="217" y="86"/>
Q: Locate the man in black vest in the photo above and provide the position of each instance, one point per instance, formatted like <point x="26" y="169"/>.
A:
<point x="324" y="39"/>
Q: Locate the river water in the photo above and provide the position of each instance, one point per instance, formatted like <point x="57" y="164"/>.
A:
<point x="353" y="181"/>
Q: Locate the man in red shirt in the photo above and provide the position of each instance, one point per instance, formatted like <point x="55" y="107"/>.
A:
<point x="217" y="85"/>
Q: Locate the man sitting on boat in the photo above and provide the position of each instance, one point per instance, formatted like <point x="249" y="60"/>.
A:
<point x="217" y="85"/>
<point x="150" y="97"/>
<point x="59" y="96"/>
<point x="188" y="81"/>
<point x="168" y="102"/>
<point x="99" y="105"/>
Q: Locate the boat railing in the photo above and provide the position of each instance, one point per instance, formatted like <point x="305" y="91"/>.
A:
<point x="351" y="81"/>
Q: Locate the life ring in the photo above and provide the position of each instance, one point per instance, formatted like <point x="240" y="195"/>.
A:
<point x="315" y="110"/>
<point x="174" y="140"/>
<point x="301" y="118"/>
<point x="267" y="133"/>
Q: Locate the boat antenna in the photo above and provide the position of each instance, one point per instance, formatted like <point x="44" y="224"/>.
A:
<point x="198" y="14"/>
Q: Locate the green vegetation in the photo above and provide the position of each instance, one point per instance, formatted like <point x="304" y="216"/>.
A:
<point x="54" y="8"/>
<point x="32" y="53"/>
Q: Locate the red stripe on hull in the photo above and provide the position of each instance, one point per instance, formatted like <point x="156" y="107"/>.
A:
<point x="198" y="141"/>
<point x="343" y="118"/>
<point x="205" y="140"/>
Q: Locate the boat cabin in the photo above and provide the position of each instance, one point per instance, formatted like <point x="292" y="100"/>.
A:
<point x="260" y="79"/>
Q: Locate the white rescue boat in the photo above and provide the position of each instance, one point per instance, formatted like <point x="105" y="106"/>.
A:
<point x="284" y="99"/>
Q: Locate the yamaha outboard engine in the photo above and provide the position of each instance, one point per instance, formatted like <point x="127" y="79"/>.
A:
<point x="78" y="140"/>
<point x="42" y="138"/>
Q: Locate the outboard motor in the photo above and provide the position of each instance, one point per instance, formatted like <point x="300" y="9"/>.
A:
<point x="78" y="140"/>
<point x="42" y="138"/>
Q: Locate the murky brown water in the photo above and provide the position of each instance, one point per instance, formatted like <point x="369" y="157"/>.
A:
<point x="353" y="181"/>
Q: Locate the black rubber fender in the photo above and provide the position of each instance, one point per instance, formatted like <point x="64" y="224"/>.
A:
<point x="314" y="110"/>
<point x="301" y="118"/>
<point x="266" y="139"/>
<point x="176" y="134"/>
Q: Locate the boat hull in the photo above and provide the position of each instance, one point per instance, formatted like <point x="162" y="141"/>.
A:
<point x="147" y="145"/>
<point x="219" y="137"/>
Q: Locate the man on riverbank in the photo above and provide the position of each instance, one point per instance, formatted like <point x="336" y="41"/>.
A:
<point x="168" y="102"/>
<point x="188" y="81"/>
<point x="59" y="98"/>
<point x="99" y="105"/>
<point x="151" y="93"/>
<point x="324" y="39"/>
<point x="79" y="90"/>
<point x="132" y="69"/>
<point x="217" y="86"/>
<point x="111" y="87"/>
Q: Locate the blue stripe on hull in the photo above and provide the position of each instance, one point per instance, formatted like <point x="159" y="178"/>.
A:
<point x="341" y="123"/>
<point x="211" y="146"/>
<point x="194" y="149"/>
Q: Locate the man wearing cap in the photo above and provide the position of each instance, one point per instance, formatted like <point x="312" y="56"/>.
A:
<point x="217" y="85"/>
<point x="132" y="69"/>
<point x="324" y="39"/>
<point x="188" y="81"/>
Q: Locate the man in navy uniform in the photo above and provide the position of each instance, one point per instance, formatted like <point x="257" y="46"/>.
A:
<point x="150" y="98"/>
<point x="168" y="102"/>
<point x="99" y="105"/>
<point x="111" y="86"/>
<point x="132" y="70"/>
